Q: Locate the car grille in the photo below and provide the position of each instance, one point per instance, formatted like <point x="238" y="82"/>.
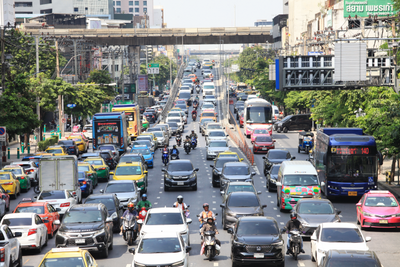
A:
<point x="88" y="241"/>
<point x="259" y="249"/>
<point x="180" y="177"/>
<point x="384" y="216"/>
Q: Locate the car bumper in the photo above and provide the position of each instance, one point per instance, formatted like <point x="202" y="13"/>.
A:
<point x="81" y="148"/>
<point x="308" y="231"/>
<point x="71" y="151"/>
<point x="371" y="222"/>
<point x="180" y="184"/>
<point x="24" y="184"/>
<point x="85" y="189"/>
<point x="261" y="149"/>
<point x="103" y="174"/>
<point x="150" y="162"/>
<point x="272" y="185"/>
<point x="269" y="258"/>
<point x="9" y="187"/>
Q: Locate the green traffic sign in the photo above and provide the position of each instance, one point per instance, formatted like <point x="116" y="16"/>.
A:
<point x="153" y="65"/>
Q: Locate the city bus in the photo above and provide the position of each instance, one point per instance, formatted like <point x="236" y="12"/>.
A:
<point x="110" y="128"/>
<point x="240" y="87"/>
<point x="346" y="161"/>
<point x="133" y="121"/>
<point x="257" y="114"/>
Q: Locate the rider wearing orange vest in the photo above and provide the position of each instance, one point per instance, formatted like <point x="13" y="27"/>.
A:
<point x="206" y="213"/>
<point x="179" y="203"/>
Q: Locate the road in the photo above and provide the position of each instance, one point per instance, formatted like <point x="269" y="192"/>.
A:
<point x="384" y="243"/>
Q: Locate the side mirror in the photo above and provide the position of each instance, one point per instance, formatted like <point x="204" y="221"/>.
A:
<point x="230" y="231"/>
<point x="263" y="157"/>
<point x="17" y="234"/>
<point x="278" y="184"/>
<point x="263" y="206"/>
<point x="259" y="193"/>
<point x="241" y="159"/>
<point x="131" y="250"/>
<point x="188" y="221"/>
<point x="222" y="205"/>
<point x="322" y="184"/>
<point x="163" y="170"/>
<point x="338" y="212"/>
<point x="188" y="249"/>
<point x="368" y="238"/>
<point x="109" y="220"/>
<point x="57" y="222"/>
<point x="212" y="166"/>
<point x="221" y="192"/>
<point x="196" y="170"/>
<point x="145" y="172"/>
<point x="111" y="173"/>
<point x="293" y="158"/>
<point x="102" y="191"/>
<point x="253" y="173"/>
<point x="58" y="209"/>
<point x="358" y="204"/>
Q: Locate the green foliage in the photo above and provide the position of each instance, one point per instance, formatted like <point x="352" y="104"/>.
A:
<point x="103" y="77"/>
<point x="163" y="76"/>
<point x="43" y="145"/>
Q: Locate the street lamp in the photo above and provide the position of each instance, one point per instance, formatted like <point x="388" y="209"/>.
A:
<point x="68" y="63"/>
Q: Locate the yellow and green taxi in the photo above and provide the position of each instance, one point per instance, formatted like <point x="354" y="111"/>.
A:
<point x="229" y="153"/>
<point x="19" y="172"/>
<point x="68" y="257"/>
<point x="56" y="150"/>
<point x="101" y="168"/>
<point x="10" y="183"/>
<point x="145" y="123"/>
<point x="88" y="168"/>
<point x="175" y="109"/>
<point x="80" y="141"/>
<point x="153" y="137"/>
<point x="132" y="171"/>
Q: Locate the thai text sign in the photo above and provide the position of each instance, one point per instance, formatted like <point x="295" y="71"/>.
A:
<point x="143" y="83"/>
<point x="381" y="8"/>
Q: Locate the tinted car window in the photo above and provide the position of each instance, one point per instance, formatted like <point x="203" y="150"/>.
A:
<point x="83" y="168"/>
<point x="300" y="180"/>
<point x="217" y="134"/>
<point x="181" y="166"/>
<point x="275" y="169"/>
<point x="277" y="154"/>
<point x="35" y="209"/>
<point x="108" y="202"/>
<point x="106" y="148"/>
<point x="4" y="176"/>
<point x="119" y="187"/>
<point x="184" y="95"/>
<point x="236" y="170"/>
<point x="341" y="235"/>
<point x="257" y="228"/>
<point x="352" y="262"/>
<point x="159" y="245"/>
<point x="221" y="161"/>
<point x="66" y="143"/>
<point x="380" y="201"/>
<point x="52" y="195"/>
<point x="315" y="208"/>
<point x="218" y="144"/>
<point x="173" y="124"/>
<point x="130" y="159"/>
<point x="82" y="216"/>
<point x="243" y="201"/>
<point x="164" y="219"/>
<point x="240" y="188"/>
<point x="17" y="221"/>
<point x="141" y="151"/>
<point x="263" y="139"/>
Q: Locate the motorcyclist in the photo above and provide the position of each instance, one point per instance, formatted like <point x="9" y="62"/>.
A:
<point x="293" y="224"/>
<point x="180" y="204"/>
<point x="131" y="210"/>
<point x="195" y="102"/>
<point x="165" y="149"/>
<point x="195" y="113"/>
<point x="187" y="140"/>
<point x="144" y="203"/>
<point x="205" y="213"/>
<point x="178" y="136"/>
<point x="174" y="151"/>
<point x="209" y="226"/>
<point x="193" y="134"/>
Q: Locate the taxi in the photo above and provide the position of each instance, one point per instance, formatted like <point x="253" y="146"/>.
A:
<point x="208" y="64"/>
<point x="56" y="150"/>
<point x="209" y="110"/>
<point x="229" y="153"/>
<point x="19" y="172"/>
<point x="10" y="183"/>
<point x="153" y="137"/>
<point x="145" y="123"/>
<point x="81" y="141"/>
<point x="175" y="109"/>
<point x="71" y="256"/>
<point x="45" y="210"/>
<point x="210" y="115"/>
<point x="91" y="172"/>
<point x="132" y="171"/>
<point x="101" y="168"/>
<point x="193" y="77"/>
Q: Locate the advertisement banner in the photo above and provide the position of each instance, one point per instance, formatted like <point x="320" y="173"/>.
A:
<point x="143" y="83"/>
<point x="364" y="8"/>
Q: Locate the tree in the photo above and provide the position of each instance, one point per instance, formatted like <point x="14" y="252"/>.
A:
<point x="102" y="77"/>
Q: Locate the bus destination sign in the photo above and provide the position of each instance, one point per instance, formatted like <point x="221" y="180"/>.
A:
<point x="345" y="150"/>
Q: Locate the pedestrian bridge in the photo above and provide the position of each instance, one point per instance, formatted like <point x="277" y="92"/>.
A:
<point x="163" y="36"/>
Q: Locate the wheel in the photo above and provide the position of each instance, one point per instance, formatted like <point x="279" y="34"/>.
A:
<point x="39" y="249"/>
<point x="223" y="223"/>
<point x="358" y="221"/>
<point x="8" y="208"/>
<point x="312" y="257"/>
<point x="105" y="253"/>
<point x="129" y="238"/>
<point x="112" y="243"/>
<point x="285" y="129"/>
<point x="51" y="232"/>
<point x="19" y="261"/>
<point x="278" y="130"/>
<point x="91" y="191"/>
<point x="269" y="186"/>
<point x="195" y="188"/>
<point x="47" y="239"/>
<point x="166" y="188"/>
<point x="214" y="184"/>
<point x="298" y="149"/>
<point x="277" y="200"/>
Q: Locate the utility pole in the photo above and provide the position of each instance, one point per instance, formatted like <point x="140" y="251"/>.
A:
<point x="39" y="138"/>
<point x="60" y="97"/>
<point x="137" y="60"/>
<point x="122" y="76"/>
<point x="113" y="64"/>
<point x="3" y="69"/>
<point x="170" y="73"/>
<point x="76" y="66"/>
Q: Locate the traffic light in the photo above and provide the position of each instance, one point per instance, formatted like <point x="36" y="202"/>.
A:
<point x="149" y="51"/>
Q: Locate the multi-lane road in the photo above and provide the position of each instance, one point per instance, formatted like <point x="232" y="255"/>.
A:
<point x="384" y="243"/>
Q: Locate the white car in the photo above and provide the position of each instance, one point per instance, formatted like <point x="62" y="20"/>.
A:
<point x="33" y="229"/>
<point x="161" y="249"/>
<point x="87" y="131"/>
<point x="30" y="170"/>
<point x="216" y="135"/>
<point x="213" y="126"/>
<point x="208" y="105"/>
<point x="62" y="199"/>
<point x="184" y="117"/>
<point x="337" y="236"/>
<point x="178" y="120"/>
<point x="172" y="220"/>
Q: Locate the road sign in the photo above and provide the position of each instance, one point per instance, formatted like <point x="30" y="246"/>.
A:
<point x="64" y="120"/>
<point x="153" y="65"/>
<point x="71" y="105"/>
<point x="3" y="134"/>
<point x="153" y="70"/>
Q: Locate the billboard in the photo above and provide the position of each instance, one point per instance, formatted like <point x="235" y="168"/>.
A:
<point x="143" y="83"/>
<point x="364" y="8"/>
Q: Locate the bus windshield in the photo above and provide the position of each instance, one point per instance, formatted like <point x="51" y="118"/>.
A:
<point x="107" y="132"/>
<point x="351" y="168"/>
<point x="259" y="115"/>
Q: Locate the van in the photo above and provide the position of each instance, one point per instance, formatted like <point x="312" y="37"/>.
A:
<point x="208" y="89"/>
<point x="294" y="123"/>
<point x="275" y="113"/>
<point x="296" y="180"/>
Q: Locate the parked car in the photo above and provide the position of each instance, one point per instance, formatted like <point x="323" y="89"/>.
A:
<point x="294" y="123"/>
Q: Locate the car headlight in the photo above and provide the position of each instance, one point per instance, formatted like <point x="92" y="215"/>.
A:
<point x="114" y="216"/>
<point x="286" y="196"/>
<point x="133" y="200"/>
<point x="303" y="222"/>
<point x="193" y="175"/>
<point x="140" y="180"/>
<point x="273" y="181"/>
<point x="317" y="195"/>
<point x="138" y="264"/>
<point x="321" y="251"/>
<point x="396" y="215"/>
<point x="232" y="214"/>
<point x="368" y="214"/>
<point x="239" y="244"/>
<point x="99" y="232"/>
<point x="279" y="124"/>
<point x="179" y="263"/>
<point x="279" y="243"/>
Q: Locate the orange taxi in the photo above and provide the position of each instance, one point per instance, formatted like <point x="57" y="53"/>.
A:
<point x="193" y="77"/>
<point x="209" y="114"/>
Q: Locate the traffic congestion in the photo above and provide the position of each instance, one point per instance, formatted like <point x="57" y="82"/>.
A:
<point x="157" y="187"/>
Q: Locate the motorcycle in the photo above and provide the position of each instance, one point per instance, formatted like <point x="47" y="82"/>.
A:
<point x="187" y="147"/>
<point x="295" y="243"/>
<point x="129" y="229"/>
<point x="198" y="89"/>
<point x="194" y="116"/>
<point x="194" y="143"/>
<point x="195" y="105"/>
<point x="142" y="216"/>
<point x="198" y="65"/>
<point x="178" y="139"/>
<point x="165" y="158"/>
<point x="174" y="156"/>
<point x="209" y="248"/>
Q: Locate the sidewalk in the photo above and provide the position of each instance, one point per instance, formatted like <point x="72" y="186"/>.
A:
<point x="394" y="188"/>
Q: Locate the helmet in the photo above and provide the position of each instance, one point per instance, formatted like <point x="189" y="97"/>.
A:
<point x="180" y="199"/>
<point x="206" y="205"/>
<point x="174" y="146"/>
<point x="192" y="131"/>
<point x="165" y="145"/>
<point x="210" y="218"/>
<point x="144" y="197"/>
<point x="131" y="206"/>
<point x="187" y="136"/>
<point x="293" y="216"/>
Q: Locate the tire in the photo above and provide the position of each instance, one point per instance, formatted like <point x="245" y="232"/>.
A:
<point x="8" y="208"/>
<point x="358" y="221"/>
<point x="298" y="149"/>
<point x="278" y="130"/>
<point x="51" y="235"/>
<point x="47" y="239"/>
<point x="129" y="238"/>
<point x="195" y="188"/>
<point x="19" y="261"/>
<point x="277" y="200"/>
<point x="165" y="188"/>
<point x="214" y="184"/>
<point x="39" y="249"/>
<point x="285" y="129"/>
<point x="269" y="186"/>
<point x="223" y="223"/>
<point x="112" y="243"/>
<point x="104" y="253"/>
<point x="312" y="257"/>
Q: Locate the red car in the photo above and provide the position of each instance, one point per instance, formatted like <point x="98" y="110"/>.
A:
<point x="4" y="195"/>
<point x="263" y="143"/>
<point x="241" y="119"/>
<point x="378" y="209"/>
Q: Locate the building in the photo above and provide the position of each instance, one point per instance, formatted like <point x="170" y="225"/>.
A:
<point x="262" y="22"/>
<point x="7" y="12"/>
<point x="135" y="7"/>
<point x="279" y="22"/>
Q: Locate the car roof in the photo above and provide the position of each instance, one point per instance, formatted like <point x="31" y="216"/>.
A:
<point x="105" y="195"/>
<point x="159" y="235"/>
<point x="257" y="218"/>
<point x="379" y="193"/>
<point x="91" y="206"/>
<point x="242" y="193"/>
<point x="121" y="182"/>
<point x="236" y="164"/>
<point x="165" y="210"/>
<point x="177" y="161"/>
<point x="339" y="225"/>
<point x="352" y="254"/>
<point x="19" y="215"/>
<point x="133" y="163"/>
<point x="239" y="183"/>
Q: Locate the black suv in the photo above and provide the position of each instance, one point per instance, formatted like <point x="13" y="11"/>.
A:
<point x="275" y="156"/>
<point x="180" y="174"/>
<point x="104" y="154"/>
<point x="69" y="146"/>
<point x="257" y="239"/>
<point x="293" y="123"/>
<point x="86" y="226"/>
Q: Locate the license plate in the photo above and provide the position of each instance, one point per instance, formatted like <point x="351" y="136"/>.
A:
<point x="79" y="241"/>
<point x="181" y="183"/>
<point x="264" y="148"/>
<point x="258" y="255"/>
<point x="383" y="221"/>
<point x="352" y="193"/>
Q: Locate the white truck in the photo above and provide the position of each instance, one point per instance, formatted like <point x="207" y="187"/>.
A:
<point x="10" y="248"/>
<point x="60" y="173"/>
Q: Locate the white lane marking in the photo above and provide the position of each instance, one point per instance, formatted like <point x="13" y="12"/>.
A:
<point x="213" y="196"/>
<point x="158" y="197"/>
<point x="260" y="177"/>
<point x="214" y="202"/>
<point x="215" y="263"/>
<point x="275" y="208"/>
<point x="278" y="215"/>
<point x="256" y="169"/>
<point x="269" y="196"/>
<point x="128" y="265"/>
<point x="160" y="192"/>
<point x="262" y="182"/>
<point x="340" y="216"/>
<point x="155" y="203"/>
<point x="214" y="209"/>
<point x="282" y="223"/>
<point x="301" y="263"/>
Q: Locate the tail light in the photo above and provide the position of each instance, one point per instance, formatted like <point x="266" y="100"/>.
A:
<point x="109" y="159"/>
<point x="84" y="131"/>
<point x="32" y="231"/>
<point x="2" y="254"/>
<point x="63" y="205"/>
<point x="102" y="168"/>
<point x="10" y="183"/>
<point x="84" y="182"/>
<point x="71" y="147"/>
<point x="22" y="177"/>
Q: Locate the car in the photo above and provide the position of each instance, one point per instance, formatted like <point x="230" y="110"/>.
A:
<point x="179" y="121"/>
<point x="150" y="117"/>
<point x="239" y="204"/>
<point x="70" y="147"/>
<point x="259" y="132"/>
<point x="10" y="183"/>
<point x="147" y="143"/>
<point x="238" y="187"/>
<point x="256" y="240"/>
<point x="56" y="150"/>
<point x="241" y="118"/>
<point x="236" y="172"/>
<point x="85" y="183"/>
<point x="217" y="169"/>
<point x="263" y="143"/>
<point x="182" y="107"/>
<point x="115" y="209"/>
<point x="125" y="190"/>
<point x="180" y="101"/>
<point x="81" y="141"/>
<point x="243" y="97"/>
<point x="68" y="257"/>
<point x="114" y="150"/>
<point x="272" y="177"/>
<point x="134" y="171"/>
<point x="208" y="114"/>
<point x="163" y="129"/>
<point x="134" y="157"/>
<point x="210" y="98"/>
<point x="62" y="199"/>
<point x="184" y="117"/>
<point x="45" y="210"/>
<point x="180" y="174"/>
<point x="162" y="139"/>
<point x="91" y="172"/>
<point x="6" y="197"/>
<point x="166" y="128"/>
<point x="154" y="138"/>
<point x="34" y="231"/>
<point x="216" y="135"/>
<point x="229" y="154"/>
<point x="147" y="154"/>
<point x="294" y="122"/>
<point x="101" y="168"/>
<point x="238" y="104"/>
<point x="88" y="131"/>
<point x="207" y="105"/>
<point x="203" y="123"/>
<point x="212" y="126"/>
<point x="350" y="258"/>
<point x="378" y="209"/>
<point x="149" y="138"/>
<point x="312" y="212"/>
<point x="240" y="112"/>
<point x="215" y="147"/>
<point x="110" y="159"/>
<point x="339" y="236"/>
<point x="19" y="172"/>
<point x="167" y="219"/>
<point x="175" y="115"/>
<point x="275" y="156"/>
<point x="174" y="128"/>
<point x="153" y="111"/>
<point x="94" y="224"/>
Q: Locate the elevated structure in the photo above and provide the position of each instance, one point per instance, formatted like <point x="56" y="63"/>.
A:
<point x="214" y="52"/>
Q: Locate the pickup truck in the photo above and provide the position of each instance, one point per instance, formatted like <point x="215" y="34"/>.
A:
<point x="10" y="248"/>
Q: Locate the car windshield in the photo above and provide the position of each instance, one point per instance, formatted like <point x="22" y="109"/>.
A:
<point x="81" y="175"/>
<point x="52" y="195"/>
<point x="173" y="124"/>
<point x="66" y="143"/>
<point x="260" y="131"/>
<point x="214" y="127"/>
<point x="205" y="121"/>
<point x="184" y="95"/>
<point x="300" y="180"/>
<point x="15" y="171"/>
<point x="345" y="235"/>
<point x="67" y="262"/>
<point x="218" y="144"/>
<point x="174" y="120"/>
<point x="128" y="170"/>
<point x="274" y="154"/>
<point x="209" y="97"/>
<point x="142" y="143"/>
<point x="106" y="148"/>
<point x="4" y="176"/>
<point x="243" y="201"/>
<point x="139" y="138"/>
<point x="208" y="105"/>
<point x="164" y="218"/>
<point x="240" y="188"/>
<point x="216" y="134"/>
<point x="180" y="166"/>
<point x="275" y="169"/>
<point x="141" y="151"/>
<point x="108" y="202"/>
<point x="17" y="221"/>
<point x="181" y="106"/>
<point x="208" y="87"/>
<point x="315" y="208"/>
<point x="34" y="209"/>
<point x="130" y="159"/>
<point x="159" y="245"/>
<point x="82" y="216"/>
<point x="236" y="170"/>
<point x="158" y="134"/>
<point x="221" y="161"/>
<point x="83" y="168"/>
<point x="263" y="139"/>
<point x="119" y="188"/>
<point x="367" y="261"/>
<point x="380" y="201"/>
<point x="54" y="151"/>
<point x="246" y="228"/>
<point x="94" y="162"/>
<point x="87" y="128"/>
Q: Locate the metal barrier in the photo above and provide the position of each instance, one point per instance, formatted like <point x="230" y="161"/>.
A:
<point x="173" y="93"/>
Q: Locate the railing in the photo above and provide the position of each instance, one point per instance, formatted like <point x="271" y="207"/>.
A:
<point x="173" y="93"/>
